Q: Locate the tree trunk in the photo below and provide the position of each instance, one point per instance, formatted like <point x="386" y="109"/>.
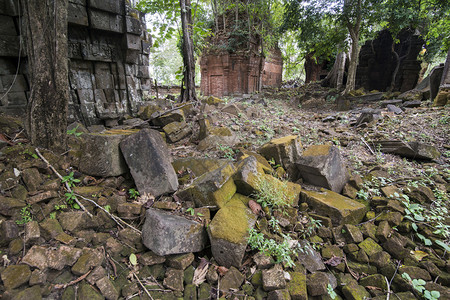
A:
<point x="335" y="78"/>
<point x="46" y="33"/>
<point x="351" y="77"/>
<point x="188" y="84"/>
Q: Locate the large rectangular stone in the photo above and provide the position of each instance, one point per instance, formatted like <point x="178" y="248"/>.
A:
<point x="9" y="45"/>
<point x="7" y="27"/>
<point x="9" y="7"/>
<point x="113" y="6"/>
<point x="133" y="25"/>
<point x="7" y="66"/>
<point x="132" y="56"/>
<point x="143" y="72"/>
<point x="133" y="42"/>
<point x="148" y="158"/>
<point x="340" y="209"/>
<point x="14" y="83"/>
<point x="106" y="21"/>
<point x="14" y="99"/>
<point x="77" y="14"/>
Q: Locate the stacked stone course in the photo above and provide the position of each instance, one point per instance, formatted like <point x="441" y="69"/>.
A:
<point x="108" y="59"/>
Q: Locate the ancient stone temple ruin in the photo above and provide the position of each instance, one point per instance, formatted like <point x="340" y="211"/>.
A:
<point x="236" y="61"/>
<point x="377" y="62"/>
<point x="108" y="59"/>
<point x="224" y="73"/>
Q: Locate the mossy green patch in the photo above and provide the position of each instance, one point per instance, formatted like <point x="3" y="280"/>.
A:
<point x="317" y="150"/>
<point x="370" y="246"/>
<point x="231" y="223"/>
<point x="297" y="286"/>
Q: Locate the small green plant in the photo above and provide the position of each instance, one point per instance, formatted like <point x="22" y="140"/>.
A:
<point x="227" y="151"/>
<point x="273" y="164"/>
<point x="71" y="200"/>
<point x="273" y="194"/>
<point x="190" y="211"/>
<point x="133" y="193"/>
<point x="28" y="152"/>
<point x="281" y="251"/>
<point x="74" y="132"/>
<point x="107" y="208"/>
<point x="419" y="285"/>
<point x="70" y="179"/>
<point x="362" y="194"/>
<point x="25" y="214"/>
<point x="331" y="291"/>
<point x="53" y="215"/>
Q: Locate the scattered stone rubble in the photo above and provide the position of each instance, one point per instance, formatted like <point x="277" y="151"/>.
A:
<point x="194" y="214"/>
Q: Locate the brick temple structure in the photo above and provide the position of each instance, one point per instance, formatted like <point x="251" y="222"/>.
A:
<point x="225" y="74"/>
<point x="108" y="59"/>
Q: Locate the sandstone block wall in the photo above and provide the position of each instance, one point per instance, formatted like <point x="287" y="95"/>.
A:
<point x="108" y="59"/>
<point x="377" y="63"/>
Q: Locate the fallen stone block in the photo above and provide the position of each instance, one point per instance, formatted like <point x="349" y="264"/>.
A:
<point x="101" y="154"/>
<point x="228" y="232"/>
<point x="148" y="158"/>
<point x="322" y="165"/>
<point x="285" y="151"/>
<point x="165" y="233"/>
<point x="163" y="120"/>
<point x="340" y="209"/>
<point x="198" y="166"/>
<point x="214" y="188"/>
<point x="177" y="131"/>
<point x="414" y="150"/>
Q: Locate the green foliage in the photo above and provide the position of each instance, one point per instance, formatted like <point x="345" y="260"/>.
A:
<point x="419" y="285"/>
<point x="331" y="292"/>
<point x="281" y="251"/>
<point x="226" y="151"/>
<point x="25" y="214"/>
<point x="133" y="193"/>
<point x="273" y="194"/>
<point x="29" y="153"/>
<point x="74" y="132"/>
<point x="70" y="180"/>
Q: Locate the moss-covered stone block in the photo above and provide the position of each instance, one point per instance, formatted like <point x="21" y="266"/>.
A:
<point x="15" y="275"/>
<point x="297" y="286"/>
<point x="214" y="188"/>
<point x="340" y="209"/>
<point x="284" y="151"/>
<point x="370" y="246"/>
<point x="228" y="232"/>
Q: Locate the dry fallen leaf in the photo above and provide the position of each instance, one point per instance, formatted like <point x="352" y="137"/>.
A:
<point x="222" y="270"/>
<point x="200" y="272"/>
<point x="255" y="207"/>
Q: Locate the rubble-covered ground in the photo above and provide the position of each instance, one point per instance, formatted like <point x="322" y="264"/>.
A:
<point x="386" y="236"/>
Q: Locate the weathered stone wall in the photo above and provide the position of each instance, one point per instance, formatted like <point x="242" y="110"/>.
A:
<point x="234" y="74"/>
<point x="377" y="63"/>
<point x="108" y="59"/>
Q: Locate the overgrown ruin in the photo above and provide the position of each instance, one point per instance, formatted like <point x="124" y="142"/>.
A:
<point x="108" y="60"/>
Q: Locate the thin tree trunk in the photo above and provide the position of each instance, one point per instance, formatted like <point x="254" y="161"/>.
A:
<point x="354" y="31"/>
<point x="188" y="84"/>
<point x="335" y="78"/>
<point x="351" y="77"/>
<point x="46" y="31"/>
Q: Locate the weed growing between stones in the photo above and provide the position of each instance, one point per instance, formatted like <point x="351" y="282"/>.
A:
<point x="70" y="180"/>
<point x="25" y="214"/>
<point x="273" y="195"/>
<point x="419" y="286"/>
<point x="226" y="151"/>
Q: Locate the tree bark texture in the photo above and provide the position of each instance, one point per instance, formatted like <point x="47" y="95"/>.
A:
<point x="188" y="84"/>
<point x="335" y="78"/>
<point x="46" y="34"/>
<point x="354" y="31"/>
